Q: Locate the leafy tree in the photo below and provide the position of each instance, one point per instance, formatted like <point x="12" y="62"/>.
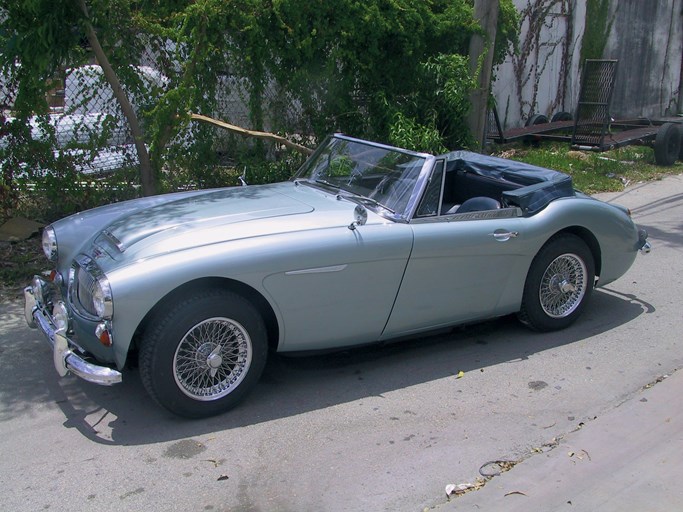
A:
<point x="391" y="70"/>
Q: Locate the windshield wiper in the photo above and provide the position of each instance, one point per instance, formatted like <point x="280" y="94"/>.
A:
<point x="326" y="183"/>
<point x="314" y="183"/>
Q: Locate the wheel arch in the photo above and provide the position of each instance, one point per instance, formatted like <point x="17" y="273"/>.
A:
<point x="237" y="287"/>
<point x="589" y="239"/>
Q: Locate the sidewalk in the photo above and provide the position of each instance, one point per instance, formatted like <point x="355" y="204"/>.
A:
<point x="631" y="459"/>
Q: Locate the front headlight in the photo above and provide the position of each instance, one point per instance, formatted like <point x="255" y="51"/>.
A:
<point x="50" y="243"/>
<point x="102" y="298"/>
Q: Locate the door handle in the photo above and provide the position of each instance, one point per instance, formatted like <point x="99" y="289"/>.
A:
<point x="502" y="235"/>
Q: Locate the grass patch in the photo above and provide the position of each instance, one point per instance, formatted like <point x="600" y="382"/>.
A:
<point x="610" y="171"/>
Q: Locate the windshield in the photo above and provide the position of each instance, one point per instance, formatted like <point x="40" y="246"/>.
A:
<point x="385" y="176"/>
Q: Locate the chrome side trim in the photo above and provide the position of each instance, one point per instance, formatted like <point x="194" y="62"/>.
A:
<point x="320" y="270"/>
<point x="501" y="213"/>
<point x="65" y="359"/>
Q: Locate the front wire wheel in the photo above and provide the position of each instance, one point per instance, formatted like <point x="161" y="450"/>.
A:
<point x="202" y="355"/>
<point x="212" y="359"/>
<point x="560" y="280"/>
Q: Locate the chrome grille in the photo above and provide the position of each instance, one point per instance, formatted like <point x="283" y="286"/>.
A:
<point x="82" y="286"/>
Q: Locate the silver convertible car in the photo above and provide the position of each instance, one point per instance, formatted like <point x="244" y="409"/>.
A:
<point x="367" y="243"/>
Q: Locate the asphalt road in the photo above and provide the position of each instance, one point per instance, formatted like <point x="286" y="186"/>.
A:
<point x="373" y="429"/>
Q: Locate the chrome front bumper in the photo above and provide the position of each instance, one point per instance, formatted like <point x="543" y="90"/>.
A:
<point x="65" y="359"/>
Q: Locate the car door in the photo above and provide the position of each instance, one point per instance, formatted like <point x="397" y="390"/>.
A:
<point x="340" y="284"/>
<point x="459" y="270"/>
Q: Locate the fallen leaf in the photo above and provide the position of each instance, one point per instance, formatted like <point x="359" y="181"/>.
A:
<point x="460" y="375"/>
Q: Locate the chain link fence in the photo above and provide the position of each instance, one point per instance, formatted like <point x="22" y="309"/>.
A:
<point x="86" y="123"/>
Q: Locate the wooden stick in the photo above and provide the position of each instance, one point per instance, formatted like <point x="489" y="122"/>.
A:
<point x="251" y="133"/>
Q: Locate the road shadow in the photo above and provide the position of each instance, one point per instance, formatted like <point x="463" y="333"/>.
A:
<point x="125" y="415"/>
<point x="649" y="216"/>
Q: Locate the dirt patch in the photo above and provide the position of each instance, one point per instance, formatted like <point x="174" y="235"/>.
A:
<point x="19" y="262"/>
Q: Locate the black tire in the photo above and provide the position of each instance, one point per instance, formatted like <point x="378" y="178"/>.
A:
<point x="202" y="355"/>
<point x="536" y="119"/>
<point x="561" y="116"/>
<point x="667" y="144"/>
<point x="559" y="282"/>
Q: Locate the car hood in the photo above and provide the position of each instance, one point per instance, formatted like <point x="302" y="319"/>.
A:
<point x="214" y="216"/>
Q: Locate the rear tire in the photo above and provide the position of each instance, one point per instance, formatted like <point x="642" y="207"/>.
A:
<point x="559" y="282"/>
<point x="536" y="119"/>
<point x="561" y="116"/>
<point x="667" y="144"/>
<point x="201" y="356"/>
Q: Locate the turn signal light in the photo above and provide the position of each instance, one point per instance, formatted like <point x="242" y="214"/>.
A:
<point x="103" y="334"/>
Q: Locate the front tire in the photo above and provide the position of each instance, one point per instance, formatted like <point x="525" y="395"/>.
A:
<point x="201" y="356"/>
<point x="560" y="281"/>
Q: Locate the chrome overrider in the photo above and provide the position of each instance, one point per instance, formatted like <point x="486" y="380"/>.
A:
<point x="644" y="246"/>
<point x="65" y="359"/>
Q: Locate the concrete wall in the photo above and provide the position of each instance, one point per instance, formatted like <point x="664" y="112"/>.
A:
<point x="544" y="77"/>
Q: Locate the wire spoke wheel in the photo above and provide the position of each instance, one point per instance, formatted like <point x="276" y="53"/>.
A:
<point x="558" y="284"/>
<point x="202" y="355"/>
<point x="212" y="359"/>
<point x="563" y="285"/>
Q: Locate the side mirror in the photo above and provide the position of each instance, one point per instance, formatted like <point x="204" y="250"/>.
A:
<point x="360" y="217"/>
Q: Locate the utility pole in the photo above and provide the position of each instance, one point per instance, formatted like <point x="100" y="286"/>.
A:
<point x="481" y="63"/>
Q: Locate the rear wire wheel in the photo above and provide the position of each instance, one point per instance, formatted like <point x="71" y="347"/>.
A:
<point x="559" y="282"/>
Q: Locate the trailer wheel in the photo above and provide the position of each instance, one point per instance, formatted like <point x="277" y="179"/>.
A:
<point x="561" y="116"/>
<point x="536" y="119"/>
<point x="667" y="144"/>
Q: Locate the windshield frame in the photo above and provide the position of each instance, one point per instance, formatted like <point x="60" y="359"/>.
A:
<point x="316" y="172"/>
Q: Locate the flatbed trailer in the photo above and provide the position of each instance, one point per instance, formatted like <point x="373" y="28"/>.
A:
<point x="593" y="129"/>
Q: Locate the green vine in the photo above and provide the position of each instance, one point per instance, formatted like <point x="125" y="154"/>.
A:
<point x="598" y="27"/>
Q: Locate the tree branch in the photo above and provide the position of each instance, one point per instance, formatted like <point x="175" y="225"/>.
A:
<point x="255" y="134"/>
<point x="146" y="174"/>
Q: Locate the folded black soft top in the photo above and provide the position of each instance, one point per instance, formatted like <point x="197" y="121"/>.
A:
<point x="533" y="187"/>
